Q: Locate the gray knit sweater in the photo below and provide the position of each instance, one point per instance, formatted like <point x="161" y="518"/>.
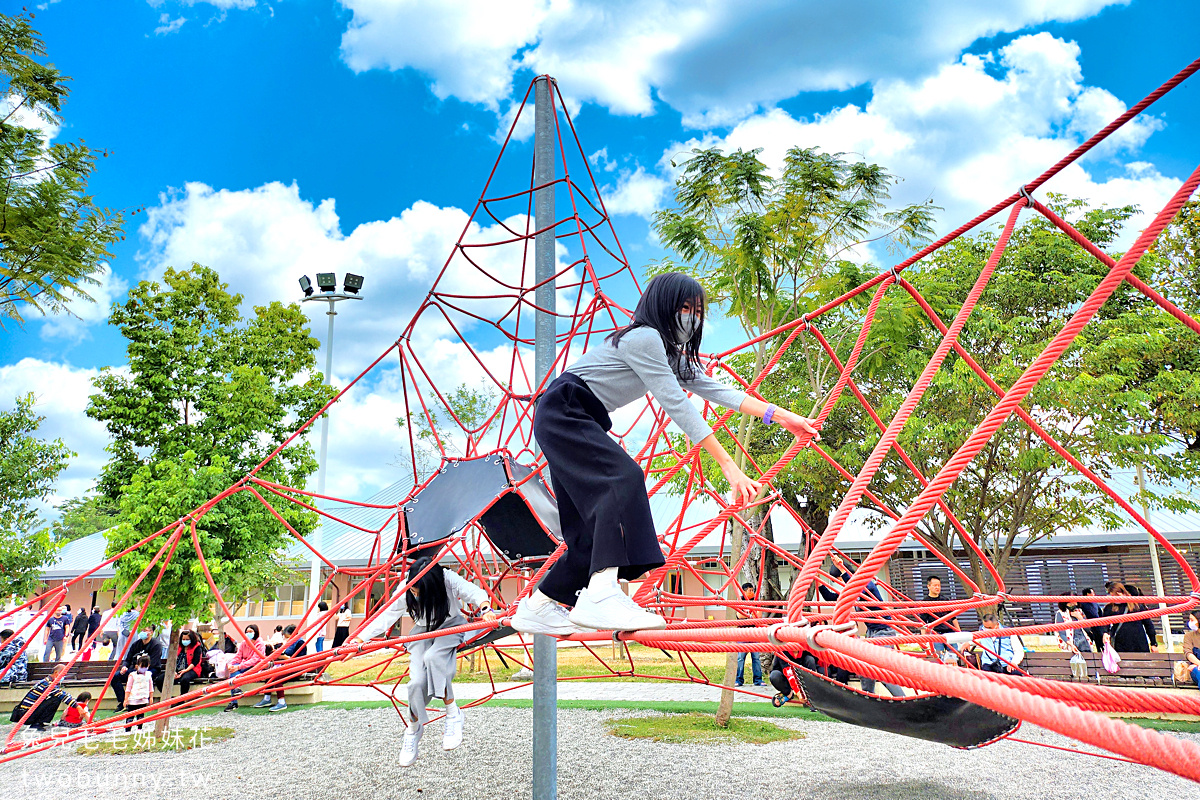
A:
<point x="619" y="375"/>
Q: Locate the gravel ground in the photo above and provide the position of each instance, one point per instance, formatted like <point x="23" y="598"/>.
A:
<point x="348" y="755"/>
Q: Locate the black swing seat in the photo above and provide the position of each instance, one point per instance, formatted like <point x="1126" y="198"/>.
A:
<point x="934" y="718"/>
<point x="486" y="639"/>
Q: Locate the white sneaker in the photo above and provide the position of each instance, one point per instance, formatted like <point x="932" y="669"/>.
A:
<point x="551" y="618"/>
<point x="408" y="752"/>
<point x="614" y="611"/>
<point x="452" y="738"/>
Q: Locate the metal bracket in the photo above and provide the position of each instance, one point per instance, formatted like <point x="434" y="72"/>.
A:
<point x="1024" y="192"/>
<point x="811" y="633"/>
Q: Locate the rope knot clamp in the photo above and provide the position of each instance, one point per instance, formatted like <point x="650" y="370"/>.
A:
<point x="1195" y="595"/>
<point x="811" y="633"/>
<point x="1024" y="192"/>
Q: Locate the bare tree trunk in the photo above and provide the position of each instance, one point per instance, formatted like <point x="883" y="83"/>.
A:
<point x="168" y="689"/>
<point x="725" y="706"/>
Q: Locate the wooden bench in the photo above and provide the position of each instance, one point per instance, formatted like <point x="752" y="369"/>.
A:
<point x="91" y="675"/>
<point x="1137" y="669"/>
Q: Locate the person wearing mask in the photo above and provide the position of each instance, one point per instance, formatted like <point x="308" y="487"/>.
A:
<point x="341" y="631"/>
<point x="748" y="593"/>
<point x="249" y="652"/>
<point x="1002" y="654"/>
<point x="319" y="641"/>
<point x="145" y="643"/>
<point x="43" y="700"/>
<point x="1128" y="637"/>
<point x="190" y="663"/>
<point x="79" y="629"/>
<point x="933" y="594"/>
<point x="56" y="633"/>
<point x="435" y="602"/>
<point x="600" y="490"/>
<point x="297" y="649"/>
<point x="13" y="668"/>
<point x="140" y="690"/>
<point x="1191" y="645"/>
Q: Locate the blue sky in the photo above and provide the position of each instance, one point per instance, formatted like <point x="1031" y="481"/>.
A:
<point x="267" y="138"/>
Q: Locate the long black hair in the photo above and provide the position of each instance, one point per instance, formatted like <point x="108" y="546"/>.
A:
<point x="659" y="307"/>
<point x="432" y="606"/>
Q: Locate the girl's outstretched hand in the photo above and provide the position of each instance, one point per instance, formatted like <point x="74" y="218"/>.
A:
<point x="741" y="487"/>
<point x="796" y="424"/>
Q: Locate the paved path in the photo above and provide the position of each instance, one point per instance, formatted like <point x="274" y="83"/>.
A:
<point x="570" y="690"/>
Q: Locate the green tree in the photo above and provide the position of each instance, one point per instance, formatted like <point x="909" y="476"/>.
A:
<point x="770" y="248"/>
<point x="203" y="379"/>
<point x="1017" y="491"/>
<point x="83" y="516"/>
<point x="29" y="466"/>
<point x="206" y="396"/>
<point x="473" y="408"/>
<point x="242" y="542"/>
<point x="54" y="239"/>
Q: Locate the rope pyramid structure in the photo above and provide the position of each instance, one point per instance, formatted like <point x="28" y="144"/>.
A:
<point x="480" y="503"/>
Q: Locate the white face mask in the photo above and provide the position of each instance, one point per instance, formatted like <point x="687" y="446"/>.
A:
<point x="1193" y="625"/>
<point x="685" y="326"/>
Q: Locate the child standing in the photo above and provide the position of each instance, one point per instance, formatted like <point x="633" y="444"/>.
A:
<point x="139" y="690"/>
<point x="599" y="489"/>
<point x="76" y="712"/>
<point x="435" y="603"/>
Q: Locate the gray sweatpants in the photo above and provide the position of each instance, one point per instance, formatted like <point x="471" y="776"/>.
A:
<point x="868" y="684"/>
<point x="431" y="667"/>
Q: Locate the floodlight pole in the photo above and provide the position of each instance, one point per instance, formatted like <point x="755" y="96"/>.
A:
<point x="314" y="570"/>
<point x="1168" y="639"/>
<point x="545" y="648"/>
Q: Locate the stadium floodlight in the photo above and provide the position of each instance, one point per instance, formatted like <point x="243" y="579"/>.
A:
<point x="306" y="286"/>
<point x="327" y="281"/>
<point x="353" y="283"/>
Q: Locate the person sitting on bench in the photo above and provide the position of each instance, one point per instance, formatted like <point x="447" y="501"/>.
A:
<point x="1002" y="654"/>
<point x="1191" y="645"/>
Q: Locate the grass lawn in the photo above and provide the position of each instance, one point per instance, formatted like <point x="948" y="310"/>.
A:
<point x="175" y="740"/>
<point x="574" y="662"/>
<point x="1170" y="725"/>
<point x="698" y="728"/>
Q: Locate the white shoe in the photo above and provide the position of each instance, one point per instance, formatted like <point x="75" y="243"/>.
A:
<point x="613" y="610"/>
<point x="452" y="738"/>
<point x="412" y="739"/>
<point x="551" y="618"/>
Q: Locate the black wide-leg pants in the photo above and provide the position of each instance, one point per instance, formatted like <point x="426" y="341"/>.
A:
<point x="601" y="492"/>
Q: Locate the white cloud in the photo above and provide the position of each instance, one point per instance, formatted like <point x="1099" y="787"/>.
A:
<point x="61" y="392"/>
<point x="81" y="314"/>
<point x="969" y="134"/>
<point x="637" y="192"/>
<point x="468" y="48"/>
<point x="168" y="26"/>
<point x="716" y="62"/>
<point x="262" y="240"/>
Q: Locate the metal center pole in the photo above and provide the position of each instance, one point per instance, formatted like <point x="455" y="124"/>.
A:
<point x="545" y="648"/>
<point x="1168" y="640"/>
<point x="314" y="572"/>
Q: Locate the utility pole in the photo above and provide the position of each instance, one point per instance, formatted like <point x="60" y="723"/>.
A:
<point x="545" y="648"/>
<point x="1168" y="640"/>
<point x="327" y="282"/>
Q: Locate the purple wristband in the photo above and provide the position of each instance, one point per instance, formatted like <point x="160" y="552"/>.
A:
<point x="770" y="412"/>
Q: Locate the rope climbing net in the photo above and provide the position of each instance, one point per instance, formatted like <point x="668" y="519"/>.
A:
<point x="480" y="314"/>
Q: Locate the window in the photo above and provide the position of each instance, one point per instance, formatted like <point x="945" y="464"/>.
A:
<point x="289" y="600"/>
